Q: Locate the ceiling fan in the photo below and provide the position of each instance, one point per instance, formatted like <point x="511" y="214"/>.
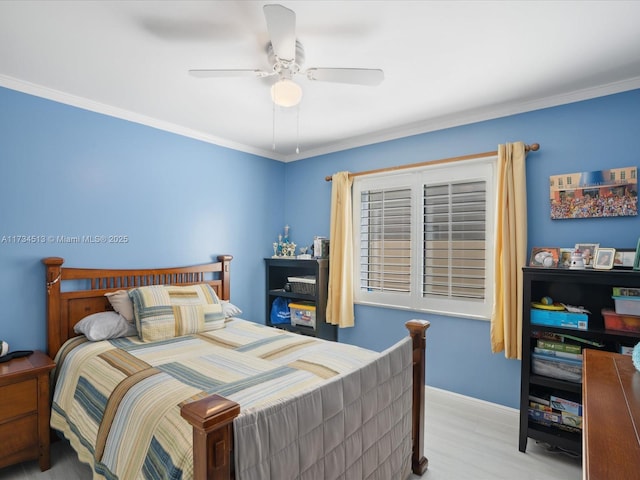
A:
<point x="286" y="55"/>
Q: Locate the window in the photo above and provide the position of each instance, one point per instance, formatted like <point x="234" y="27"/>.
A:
<point x="423" y="238"/>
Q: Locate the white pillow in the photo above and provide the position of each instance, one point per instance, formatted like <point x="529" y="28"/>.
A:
<point x="229" y="309"/>
<point x="121" y="303"/>
<point x="105" y="325"/>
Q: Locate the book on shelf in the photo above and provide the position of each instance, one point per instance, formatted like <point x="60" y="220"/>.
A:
<point x="559" y="404"/>
<point x="593" y="343"/>
<point x="555" y="360"/>
<point x="559" y="346"/>
<point x="568" y="423"/>
<point x="545" y="418"/>
<point x="557" y="353"/>
<point x="563" y="337"/>
<point x="564" y="405"/>
<point x="544" y="334"/>
<point x="539" y="406"/>
<point x="540" y="398"/>
<point x="572" y="420"/>
<point x="553" y="411"/>
<point x="559" y="368"/>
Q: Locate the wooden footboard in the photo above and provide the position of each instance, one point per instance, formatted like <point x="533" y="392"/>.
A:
<point x="212" y="421"/>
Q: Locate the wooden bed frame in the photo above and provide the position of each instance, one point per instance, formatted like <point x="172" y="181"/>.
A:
<point x="211" y="417"/>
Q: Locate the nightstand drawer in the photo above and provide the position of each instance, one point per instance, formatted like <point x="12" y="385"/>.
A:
<point x="19" y="436"/>
<point x="24" y="410"/>
<point x="18" y="399"/>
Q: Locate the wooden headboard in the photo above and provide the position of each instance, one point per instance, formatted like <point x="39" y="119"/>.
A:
<point x="84" y="290"/>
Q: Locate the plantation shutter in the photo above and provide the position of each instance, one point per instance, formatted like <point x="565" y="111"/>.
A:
<point x="455" y="240"/>
<point x="385" y="240"/>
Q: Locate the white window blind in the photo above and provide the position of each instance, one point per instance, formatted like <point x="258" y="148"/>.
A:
<point x="423" y="239"/>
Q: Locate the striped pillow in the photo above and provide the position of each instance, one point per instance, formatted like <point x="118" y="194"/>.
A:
<point x="167" y="311"/>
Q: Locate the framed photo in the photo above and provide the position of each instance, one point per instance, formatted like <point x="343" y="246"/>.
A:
<point x="545" y="257"/>
<point x="604" y="258"/>
<point x="588" y="251"/>
<point x="624" y="258"/>
<point x="565" y="257"/>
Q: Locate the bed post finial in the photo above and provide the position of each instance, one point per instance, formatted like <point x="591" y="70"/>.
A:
<point x="54" y="271"/>
<point x="418" y="331"/>
<point x="212" y="421"/>
<point x="53" y="277"/>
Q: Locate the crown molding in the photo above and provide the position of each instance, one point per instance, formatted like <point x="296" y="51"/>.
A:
<point x="472" y="116"/>
<point x="91" y="105"/>
<point x="417" y="128"/>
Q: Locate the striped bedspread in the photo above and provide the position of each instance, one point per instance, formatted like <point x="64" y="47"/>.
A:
<point x="118" y="401"/>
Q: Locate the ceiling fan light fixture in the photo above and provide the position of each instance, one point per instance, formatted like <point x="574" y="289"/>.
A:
<point x="286" y="93"/>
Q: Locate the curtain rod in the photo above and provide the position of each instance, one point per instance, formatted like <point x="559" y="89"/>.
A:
<point x="534" y="147"/>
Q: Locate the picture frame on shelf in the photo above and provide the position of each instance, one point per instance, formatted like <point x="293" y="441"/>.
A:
<point x="565" y="257"/>
<point x="604" y="258"/>
<point x="544" y="257"/>
<point x="588" y="251"/>
<point x="624" y="258"/>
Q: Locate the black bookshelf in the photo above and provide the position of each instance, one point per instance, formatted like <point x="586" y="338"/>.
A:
<point x="278" y="270"/>
<point x="591" y="289"/>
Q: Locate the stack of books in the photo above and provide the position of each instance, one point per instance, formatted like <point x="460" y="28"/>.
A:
<point x="559" y="360"/>
<point x="557" y="412"/>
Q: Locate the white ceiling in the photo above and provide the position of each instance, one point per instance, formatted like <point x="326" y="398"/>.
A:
<point x="446" y="63"/>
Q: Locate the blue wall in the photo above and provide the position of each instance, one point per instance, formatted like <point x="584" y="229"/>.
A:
<point x="66" y="171"/>
<point x="589" y="135"/>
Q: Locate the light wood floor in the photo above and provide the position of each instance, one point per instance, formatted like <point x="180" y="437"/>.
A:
<point x="464" y="439"/>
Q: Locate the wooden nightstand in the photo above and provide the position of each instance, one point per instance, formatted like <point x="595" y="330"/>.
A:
<point x="24" y="410"/>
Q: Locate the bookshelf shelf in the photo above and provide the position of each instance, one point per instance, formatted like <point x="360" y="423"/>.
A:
<point x="555" y="384"/>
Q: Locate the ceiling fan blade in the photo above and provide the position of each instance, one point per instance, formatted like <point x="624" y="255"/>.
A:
<point x="355" y="76"/>
<point x="281" y="24"/>
<point x="222" y="73"/>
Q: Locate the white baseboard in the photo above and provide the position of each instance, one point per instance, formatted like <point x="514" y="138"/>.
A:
<point x="469" y="400"/>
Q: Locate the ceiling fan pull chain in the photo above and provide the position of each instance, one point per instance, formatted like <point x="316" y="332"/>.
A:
<point x="273" y="126"/>
<point x="298" y="129"/>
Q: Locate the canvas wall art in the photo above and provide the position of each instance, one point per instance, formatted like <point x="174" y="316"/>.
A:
<point x="601" y="193"/>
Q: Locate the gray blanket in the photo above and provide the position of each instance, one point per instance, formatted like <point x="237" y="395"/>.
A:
<point x="357" y="426"/>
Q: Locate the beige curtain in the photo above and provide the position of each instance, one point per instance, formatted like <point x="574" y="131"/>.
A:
<point x="340" y="300"/>
<point x="511" y="251"/>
